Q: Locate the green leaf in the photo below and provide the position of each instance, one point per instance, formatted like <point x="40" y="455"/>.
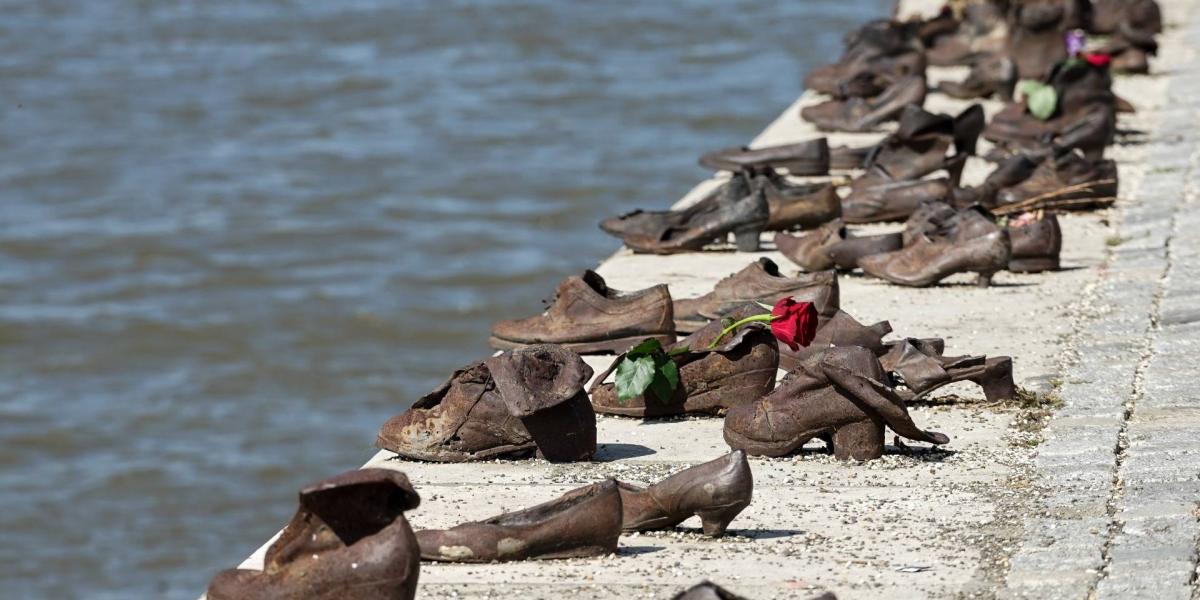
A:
<point x="646" y="348"/>
<point x="634" y="376"/>
<point x="678" y="351"/>
<point x="1040" y="98"/>
<point x="670" y="371"/>
<point x="666" y="379"/>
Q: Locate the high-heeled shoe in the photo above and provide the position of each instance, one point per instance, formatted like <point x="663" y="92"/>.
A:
<point x="583" y="522"/>
<point x="838" y="395"/>
<point x="716" y="491"/>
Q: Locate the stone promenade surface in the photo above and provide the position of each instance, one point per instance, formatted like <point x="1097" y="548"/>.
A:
<point x="1095" y="498"/>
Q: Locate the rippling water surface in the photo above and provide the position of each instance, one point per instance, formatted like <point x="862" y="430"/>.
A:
<point x="235" y="237"/>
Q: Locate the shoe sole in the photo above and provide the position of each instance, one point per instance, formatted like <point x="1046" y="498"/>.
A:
<point x="611" y="346"/>
<point x="1032" y="265"/>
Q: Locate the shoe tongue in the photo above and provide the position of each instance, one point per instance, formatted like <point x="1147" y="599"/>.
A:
<point x="595" y="281"/>
<point x="360" y="503"/>
<point x="535" y="378"/>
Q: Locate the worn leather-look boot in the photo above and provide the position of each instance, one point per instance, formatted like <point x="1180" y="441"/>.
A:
<point x="923" y="370"/>
<point x="583" y="522"/>
<point x="760" y="281"/>
<point x="877" y="54"/>
<point x="921" y="142"/>
<point x="876" y="200"/>
<point x="739" y="370"/>
<point x="809" y="158"/>
<point x="739" y="207"/>
<point x="1036" y="243"/>
<point x="975" y="244"/>
<point x="866" y="114"/>
<point x="511" y="405"/>
<point x="348" y="540"/>
<point x="1012" y="171"/>
<point x="716" y="491"/>
<point x="838" y="330"/>
<point x="1068" y="177"/>
<point x="839" y="395"/>
<point x="588" y="317"/>
<point x="847" y="252"/>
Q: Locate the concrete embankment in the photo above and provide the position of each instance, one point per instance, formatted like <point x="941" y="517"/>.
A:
<point x="1092" y="494"/>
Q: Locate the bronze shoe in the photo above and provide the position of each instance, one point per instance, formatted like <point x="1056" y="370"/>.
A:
<point x="994" y="75"/>
<point x="583" y="522"/>
<point x="874" y="199"/>
<point x="847" y="252"/>
<point x="739" y="207"/>
<point x="1111" y="16"/>
<point x="839" y="395"/>
<point x="1036" y="243"/>
<point x="760" y="281"/>
<point x="588" y="317"/>
<point x="976" y="245"/>
<point x="839" y="330"/>
<point x="809" y="158"/>
<point x="981" y="31"/>
<point x="877" y="54"/>
<point x="866" y="114"/>
<point x="1069" y="178"/>
<point x="716" y="491"/>
<point x="923" y="369"/>
<point x="348" y="539"/>
<point x="799" y="206"/>
<point x="511" y="405"/>
<point x="810" y="249"/>
<point x="849" y="158"/>
<point x="920" y="144"/>
<point x="741" y="369"/>
<point x="1036" y="30"/>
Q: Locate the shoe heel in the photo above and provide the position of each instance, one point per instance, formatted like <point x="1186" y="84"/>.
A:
<point x="747" y="239"/>
<point x="859" y="441"/>
<point x="715" y="522"/>
<point x="984" y="279"/>
<point x="997" y="382"/>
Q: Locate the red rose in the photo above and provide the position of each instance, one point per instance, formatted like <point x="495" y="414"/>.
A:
<point x="794" y="323"/>
<point x="1097" y="60"/>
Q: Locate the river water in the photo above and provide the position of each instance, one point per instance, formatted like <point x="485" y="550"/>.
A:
<point x="236" y="236"/>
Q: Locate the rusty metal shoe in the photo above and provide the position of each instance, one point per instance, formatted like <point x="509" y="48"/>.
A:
<point x="760" y="281"/>
<point x="739" y="370"/>
<point x="798" y="206"/>
<point x="1066" y="181"/>
<point x="511" y="405"/>
<point x="1036" y="30"/>
<point x="348" y="540"/>
<point x="920" y="144"/>
<point x="922" y="369"/>
<point x="838" y="395"/>
<point x="810" y="250"/>
<point x="874" y="199"/>
<point x="982" y="30"/>
<point x="976" y="244"/>
<point x="839" y="330"/>
<point x="716" y="491"/>
<point x="583" y="522"/>
<point x="849" y="158"/>
<point x="878" y="53"/>
<point x="867" y="114"/>
<point x="588" y="317"/>
<point x="831" y="246"/>
<point x="994" y="75"/>
<point x="809" y="158"/>
<point x="1010" y="172"/>
<point x="1036" y="243"/>
<point x="1085" y="117"/>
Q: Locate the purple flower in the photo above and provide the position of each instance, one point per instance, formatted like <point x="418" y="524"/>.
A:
<point x="1076" y="40"/>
